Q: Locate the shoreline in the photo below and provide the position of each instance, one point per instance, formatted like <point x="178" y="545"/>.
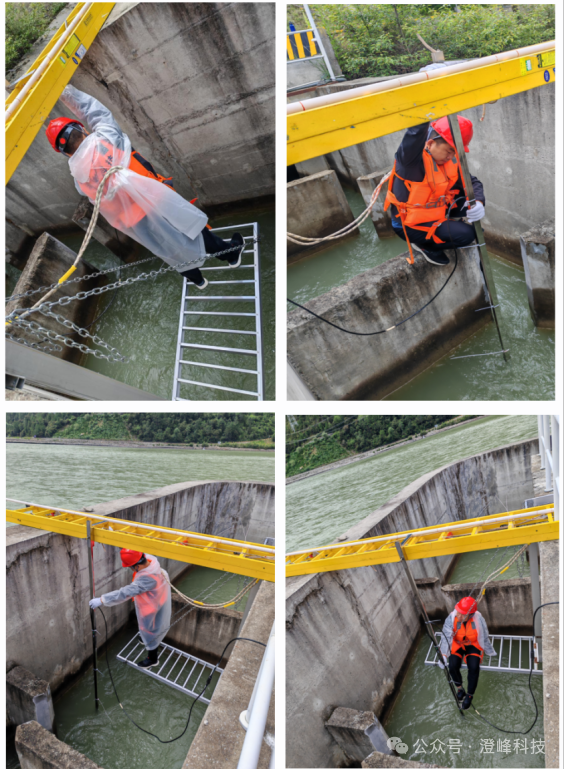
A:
<point x="119" y="444"/>
<point x="373" y="452"/>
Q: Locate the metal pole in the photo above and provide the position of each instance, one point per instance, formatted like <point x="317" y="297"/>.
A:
<point x="548" y="453"/>
<point x="541" y="444"/>
<point x="556" y="465"/>
<point x="535" y="586"/>
<point x="482" y="250"/>
<point x="319" y="41"/>
<point x="92" y="612"/>
<point x="428" y="625"/>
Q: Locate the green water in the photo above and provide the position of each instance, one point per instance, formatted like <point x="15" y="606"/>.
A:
<point x="472" y="567"/>
<point x="321" y="508"/>
<point x="142" y="322"/>
<point x="529" y="375"/>
<point x="424" y="710"/>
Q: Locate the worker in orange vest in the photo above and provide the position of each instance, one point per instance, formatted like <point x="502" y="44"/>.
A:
<point x="136" y="200"/>
<point x="150" y="591"/>
<point x="426" y="193"/>
<point x="465" y="637"/>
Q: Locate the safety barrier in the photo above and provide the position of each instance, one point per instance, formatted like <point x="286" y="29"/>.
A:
<point x="549" y="449"/>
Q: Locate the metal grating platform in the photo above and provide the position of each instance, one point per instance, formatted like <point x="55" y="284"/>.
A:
<point x="178" y="669"/>
<point x="203" y="319"/>
<point x="513" y="655"/>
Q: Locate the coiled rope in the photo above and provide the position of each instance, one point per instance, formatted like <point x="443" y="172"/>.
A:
<point x="200" y="604"/>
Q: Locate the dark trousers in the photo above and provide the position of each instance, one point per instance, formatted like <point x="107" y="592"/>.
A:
<point x="454" y="233"/>
<point x="473" y="664"/>
<point x="213" y="244"/>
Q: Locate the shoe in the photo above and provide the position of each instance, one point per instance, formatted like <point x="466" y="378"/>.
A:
<point x="148" y="663"/>
<point x="202" y="285"/>
<point x="440" y="259"/>
<point x="460" y="694"/>
<point x="236" y="240"/>
<point x="467" y="702"/>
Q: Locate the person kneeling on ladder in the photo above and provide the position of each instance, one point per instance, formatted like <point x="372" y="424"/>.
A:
<point x="426" y="193"/>
<point x="150" y="591"/>
<point x="136" y="200"/>
<point x="465" y="636"/>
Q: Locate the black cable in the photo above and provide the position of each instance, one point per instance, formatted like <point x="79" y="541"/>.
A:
<point x="383" y="331"/>
<point x="208" y="681"/>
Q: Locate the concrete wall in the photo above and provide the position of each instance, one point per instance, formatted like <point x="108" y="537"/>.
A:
<point x="338" y="366"/>
<point x="349" y="633"/>
<point x="39" y="749"/>
<point x="47" y="586"/>
<point x="512" y="153"/>
<point x="192" y="84"/>
<point x="538" y="251"/>
<point x="28" y="698"/>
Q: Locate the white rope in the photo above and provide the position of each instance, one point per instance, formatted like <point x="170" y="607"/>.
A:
<point x="500" y="571"/>
<point x="301" y="240"/>
<point x="201" y="605"/>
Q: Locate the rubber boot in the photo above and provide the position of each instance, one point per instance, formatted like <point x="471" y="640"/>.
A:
<point x="234" y="259"/>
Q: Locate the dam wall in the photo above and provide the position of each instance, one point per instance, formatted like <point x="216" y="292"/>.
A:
<point x="192" y="85"/>
<point x="349" y="633"/>
<point x="47" y="586"/>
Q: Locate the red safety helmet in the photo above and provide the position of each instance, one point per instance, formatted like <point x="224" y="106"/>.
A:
<point x="56" y="126"/>
<point x="442" y="127"/>
<point x="466" y="605"/>
<point x="130" y="557"/>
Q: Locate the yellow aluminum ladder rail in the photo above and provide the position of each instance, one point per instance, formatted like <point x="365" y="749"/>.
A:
<point x="35" y="94"/>
<point x="223" y="554"/>
<point x="325" y="124"/>
<point x="518" y="527"/>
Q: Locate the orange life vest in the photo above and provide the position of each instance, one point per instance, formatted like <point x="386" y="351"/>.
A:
<point x="429" y="201"/>
<point x="150" y="602"/>
<point x="465" y="634"/>
<point x="137" y="163"/>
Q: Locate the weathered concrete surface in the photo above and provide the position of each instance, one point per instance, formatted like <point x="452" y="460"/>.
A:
<point x="118" y="243"/>
<point x="297" y="391"/>
<point x="537" y="252"/>
<point x="316" y="207"/>
<point x="357" y="733"/>
<point x="192" y="84"/>
<point x="28" y="698"/>
<point x="550" y="591"/>
<point x="204" y="632"/>
<point x="380" y="760"/>
<point x="349" y="633"/>
<point x="381" y="219"/>
<point x="48" y="261"/>
<point x="53" y="636"/>
<point x="512" y="153"/>
<point x="339" y="366"/>
<point x="507" y="605"/>
<point x="305" y="71"/>
<point x="219" y="739"/>
<point x="39" y="749"/>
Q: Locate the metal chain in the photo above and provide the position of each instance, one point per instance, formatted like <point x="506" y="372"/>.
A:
<point x="47" y="347"/>
<point x="37" y="330"/>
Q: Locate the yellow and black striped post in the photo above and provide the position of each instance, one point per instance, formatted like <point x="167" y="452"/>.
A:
<point x="301" y="45"/>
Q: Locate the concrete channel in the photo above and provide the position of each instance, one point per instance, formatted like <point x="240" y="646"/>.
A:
<point x="42" y="663"/>
<point x="351" y="635"/>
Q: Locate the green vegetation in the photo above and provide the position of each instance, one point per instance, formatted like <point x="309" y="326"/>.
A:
<point x="316" y="440"/>
<point x="380" y="40"/>
<point x="25" y="23"/>
<point x="237" y="430"/>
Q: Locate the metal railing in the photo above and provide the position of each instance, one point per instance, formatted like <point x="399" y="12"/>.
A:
<point x="549" y="449"/>
<point x="316" y="39"/>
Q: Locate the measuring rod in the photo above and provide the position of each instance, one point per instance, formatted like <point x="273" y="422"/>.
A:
<point x="223" y="554"/>
<point x="517" y="527"/>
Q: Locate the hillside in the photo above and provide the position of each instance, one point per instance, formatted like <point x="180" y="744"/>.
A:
<point x="201" y="429"/>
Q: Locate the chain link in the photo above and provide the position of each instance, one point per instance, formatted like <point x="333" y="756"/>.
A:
<point x="47" y="347"/>
<point x="32" y="327"/>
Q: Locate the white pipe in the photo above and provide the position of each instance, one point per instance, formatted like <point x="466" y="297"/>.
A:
<point x="105" y="518"/>
<point x="53" y="53"/>
<point x="272" y="764"/>
<point x="556" y="465"/>
<point x="541" y="443"/>
<point x="417" y="77"/>
<point x="423" y="532"/>
<point x="548" y="452"/>
<point x="258" y="713"/>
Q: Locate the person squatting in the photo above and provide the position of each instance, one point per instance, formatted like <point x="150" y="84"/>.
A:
<point x="137" y="200"/>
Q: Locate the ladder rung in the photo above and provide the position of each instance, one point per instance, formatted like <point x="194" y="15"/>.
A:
<point x="231" y="314"/>
<point x="228" y="268"/>
<point x="219" y="298"/>
<point x="223" y="368"/>
<point x="218" y="387"/>
<point x="218" y="330"/>
<point x="224" y="282"/>
<point x="219" y="349"/>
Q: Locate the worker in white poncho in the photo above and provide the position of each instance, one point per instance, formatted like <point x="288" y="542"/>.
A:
<point x="150" y="591"/>
<point x="137" y="200"/>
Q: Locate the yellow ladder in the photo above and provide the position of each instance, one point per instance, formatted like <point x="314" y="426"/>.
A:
<point x="235" y="556"/>
<point x="518" y="527"/>
<point x="35" y="94"/>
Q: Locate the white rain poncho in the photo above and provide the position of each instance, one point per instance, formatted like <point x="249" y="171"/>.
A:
<point x="150" y="591"/>
<point x="147" y="210"/>
<point x="481" y="627"/>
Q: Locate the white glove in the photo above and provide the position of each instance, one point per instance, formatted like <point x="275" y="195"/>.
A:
<point x="475" y="213"/>
<point x="95" y="603"/>
<point x="442" y="663"/>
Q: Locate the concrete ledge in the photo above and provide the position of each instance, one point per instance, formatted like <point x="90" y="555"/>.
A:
<point x="550" y="591"/>
<point x="537" y="251"/>
<point x="28" y="698"/>
<point x="381" y="760"/>
<point x="381" y="219"/>
<point x="39" y="749"/>
<point x="339" y="366"/>
<point x="357" y="733"/>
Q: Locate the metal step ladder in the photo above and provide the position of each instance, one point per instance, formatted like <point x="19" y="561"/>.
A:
<point x="206" y="318"/>
<point x="178" y="669"/>
<point x="513" y="655"/>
